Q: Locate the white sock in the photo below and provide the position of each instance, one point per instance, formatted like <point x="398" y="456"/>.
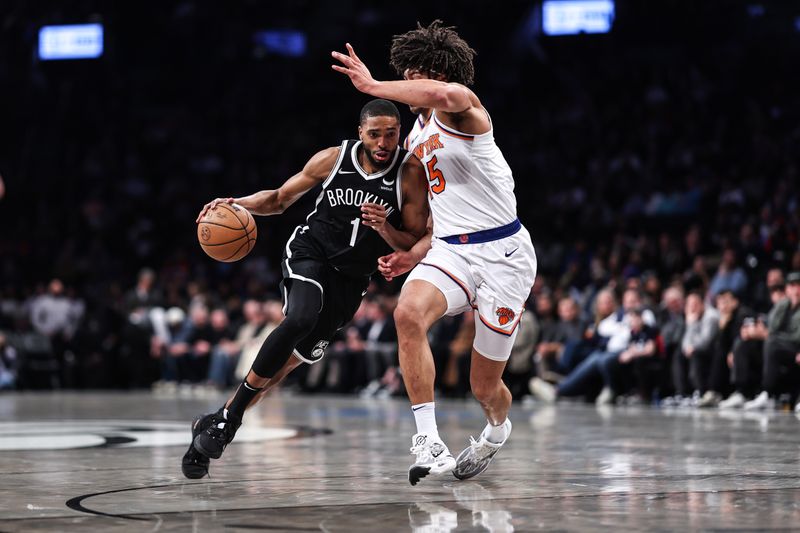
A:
<point x="425" y="416"/>
<point x="496" y="434"/>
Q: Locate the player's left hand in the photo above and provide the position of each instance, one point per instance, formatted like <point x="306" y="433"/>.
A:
<point x="374" y="216"/>
<point x="355" y="69"/>
<point x="396" y="264"/>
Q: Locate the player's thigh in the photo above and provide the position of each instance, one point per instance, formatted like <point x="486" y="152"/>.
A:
<point x="440" y="285"/>
<point x="342" y="297"/>
<point x="506" y="281"/>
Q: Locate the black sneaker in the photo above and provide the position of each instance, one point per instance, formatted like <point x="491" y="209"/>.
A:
<point x="195" y="464"/>
<point x="218" y="434"/>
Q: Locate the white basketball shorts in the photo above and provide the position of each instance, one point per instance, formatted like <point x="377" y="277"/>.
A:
<point x="493" y="279"/>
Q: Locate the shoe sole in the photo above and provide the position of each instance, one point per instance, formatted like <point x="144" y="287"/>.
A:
<point x="194" y="465"/>
<point x="415" y="473"/>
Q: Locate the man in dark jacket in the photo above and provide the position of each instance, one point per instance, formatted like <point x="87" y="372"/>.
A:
<point x="782" y="344"/>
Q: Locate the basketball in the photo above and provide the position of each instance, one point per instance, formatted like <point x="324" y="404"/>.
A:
<point x="227" y="233"/>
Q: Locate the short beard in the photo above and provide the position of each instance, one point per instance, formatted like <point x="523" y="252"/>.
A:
<point x="375" y="163"/>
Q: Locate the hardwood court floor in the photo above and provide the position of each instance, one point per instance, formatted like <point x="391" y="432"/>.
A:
<point x="110" y="462"/>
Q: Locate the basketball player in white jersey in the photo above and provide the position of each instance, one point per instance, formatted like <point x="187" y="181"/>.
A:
<point x="479" y="256"/>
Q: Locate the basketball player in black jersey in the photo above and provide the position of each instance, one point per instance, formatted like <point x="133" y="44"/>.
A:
<point x="373" y="201"/>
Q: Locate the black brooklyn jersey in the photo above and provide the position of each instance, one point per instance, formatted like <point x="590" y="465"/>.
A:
<point x="335" y="225"/>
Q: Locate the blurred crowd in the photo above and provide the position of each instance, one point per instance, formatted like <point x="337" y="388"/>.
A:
<point x="656" y="170"/>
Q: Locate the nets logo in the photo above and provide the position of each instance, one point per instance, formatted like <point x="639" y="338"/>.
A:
<point x="319" y="349"/>
<point x="504" y="315"/>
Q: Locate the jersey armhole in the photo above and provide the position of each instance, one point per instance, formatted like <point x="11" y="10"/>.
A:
<point x="336" y="165"/>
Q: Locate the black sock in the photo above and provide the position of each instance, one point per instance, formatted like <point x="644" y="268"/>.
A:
<point x="244" y="395"/>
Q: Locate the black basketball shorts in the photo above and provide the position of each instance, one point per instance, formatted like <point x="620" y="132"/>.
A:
<point x="341" y="295"/>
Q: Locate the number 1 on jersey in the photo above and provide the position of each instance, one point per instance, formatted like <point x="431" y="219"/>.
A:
<point x="356" y="222"/>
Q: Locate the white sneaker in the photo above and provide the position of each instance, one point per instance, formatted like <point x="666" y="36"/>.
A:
<point x="734" y="401"/>
<point x="606" y="397"/>
<point x="542" y="390"/>
<point x="475" y="458"/>
<point x="433" y="457"/>
<point x="797" y="408"/>
<point x="760" y="402"/>
<point x="709" y="399"/>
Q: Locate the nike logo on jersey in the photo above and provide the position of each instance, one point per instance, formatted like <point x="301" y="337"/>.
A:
<point x="347" y="172"/>
<point x="509" y="254"/>
<point x="389" y="183"/>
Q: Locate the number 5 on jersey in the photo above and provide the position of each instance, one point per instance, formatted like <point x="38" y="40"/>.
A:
<point x="436" y="181"/>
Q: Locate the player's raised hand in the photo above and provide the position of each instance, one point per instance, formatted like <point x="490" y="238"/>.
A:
<point x="355" y="69"/>
<point x="212" y="205"/>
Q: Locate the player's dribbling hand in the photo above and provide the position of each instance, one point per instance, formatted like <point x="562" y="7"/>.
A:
<point x="395" y="264"/>
<point x="212" y="205"/>
<point x="374" y="216"/>
<point x="355" y="69"/>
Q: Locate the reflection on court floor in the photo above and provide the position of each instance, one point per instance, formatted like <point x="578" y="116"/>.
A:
<point x="111" y="462"/>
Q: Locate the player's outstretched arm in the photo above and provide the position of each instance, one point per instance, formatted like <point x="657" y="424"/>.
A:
<point x="447" y="97"/>
<point x="273" y="202"/>
<point x="459" y="105"/>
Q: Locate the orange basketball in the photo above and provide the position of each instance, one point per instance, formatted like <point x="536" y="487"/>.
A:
<point x="227" y="233"/>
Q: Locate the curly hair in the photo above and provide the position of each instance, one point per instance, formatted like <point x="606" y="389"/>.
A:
<point x="436" y="49"/>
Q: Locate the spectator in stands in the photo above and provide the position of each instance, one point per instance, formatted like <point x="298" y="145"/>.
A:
<point x="144" y="296"/>
<point x="380" y="351"/>
<point x="57" y="315"/>
<point x="747" y="360"/>
<point x="616" y="332"/>
<point x="762" y="297"/>
<point x="272" y="316"/>
<point x="565" y="336"/>
<point x="630" y="367"/>
<point x="455" y="373"/>
<point x="692" y="362"/>
<point x="225" y="347"/>
<point x="731" y="316"/>
<point x="782" y="344"/>
<point x="192" y="344"/>
<point x="547" y="319"/>
<point x="605" y="305"/>
<point x="729" y="275"/>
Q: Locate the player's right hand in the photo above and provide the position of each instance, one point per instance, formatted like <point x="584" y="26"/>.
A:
<point x="212" y="205"/>
<point x="395" y="264"/>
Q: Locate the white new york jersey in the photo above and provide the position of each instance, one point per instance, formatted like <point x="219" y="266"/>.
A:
<point x="470" y="183"/>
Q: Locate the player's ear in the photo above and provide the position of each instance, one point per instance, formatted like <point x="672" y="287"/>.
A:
<point x="360" y="130"/>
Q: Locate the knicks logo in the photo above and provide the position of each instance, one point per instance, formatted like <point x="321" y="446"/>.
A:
<point x="504" y="315"/>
